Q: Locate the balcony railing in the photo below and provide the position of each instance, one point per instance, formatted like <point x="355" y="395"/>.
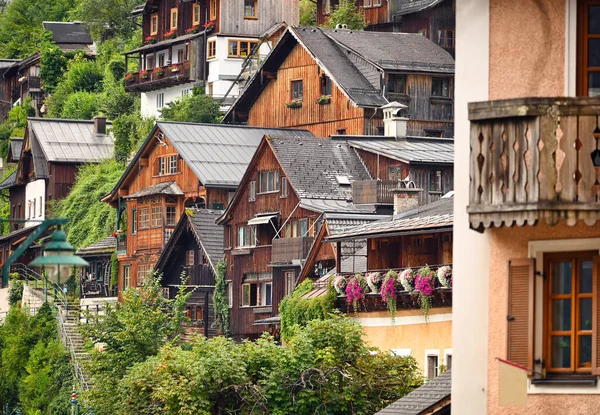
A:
<point x="290" y="249"/>
<point x="373" y="192"/>
<point x="200" y="275"/>
<point x="532" y="159"/>
<point x="172" y="75"/>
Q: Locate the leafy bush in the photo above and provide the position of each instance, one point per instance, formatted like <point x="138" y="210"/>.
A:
<point x="346" y="12"/>
<point x="15" y="291"/>
<point x="198" y="107"/>
<point x="220" y="301"/>
<point x="81" y="106"/>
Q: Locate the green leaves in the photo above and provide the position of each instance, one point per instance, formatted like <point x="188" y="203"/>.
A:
<point x="220" y="301"/>
<point x="198" y="107"/>
<point x="346" y="12"/>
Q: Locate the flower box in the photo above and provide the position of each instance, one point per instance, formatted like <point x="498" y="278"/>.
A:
<point x="323" y="99"/>
<point x="144" y="74"/>
<point x="128" y="76"/>
<point x="150" y="39"/>
<point x="209" y="25"/>
<point x="158" y="71"/>
<point x="174" y="68"/>
<point x="192" y="30"/>
<point x="169" y="35"/>
<point x="295" y="103"/>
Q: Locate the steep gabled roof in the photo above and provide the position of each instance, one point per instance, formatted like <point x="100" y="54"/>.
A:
<point x="14" y="149"/>
<point x="10" y="181"/>
<point x="423" y="399"/>
<point x="407" y="150"/>
<point x="65" y="141"/>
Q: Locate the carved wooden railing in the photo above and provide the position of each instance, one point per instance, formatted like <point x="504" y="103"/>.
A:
<point x="373" y="191"/>
<point x="532" y="159"/>
<point x="290" y="249"/>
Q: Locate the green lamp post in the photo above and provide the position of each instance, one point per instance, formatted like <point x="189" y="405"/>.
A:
<point x="59" y="258"/>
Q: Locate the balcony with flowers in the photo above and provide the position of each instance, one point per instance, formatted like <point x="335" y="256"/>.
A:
<point x="159" y="77"/>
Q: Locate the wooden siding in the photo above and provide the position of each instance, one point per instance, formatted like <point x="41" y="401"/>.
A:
<point x="378" y="166"/>
<point x="62" y="178"/>
<point x="375" y="15"/>
<point x="409" y="251"/>
<point x="322" y="120"/>
<point x="184" y="18"/>
<point x="322" y="16"/>
<point x="270" y="12"/>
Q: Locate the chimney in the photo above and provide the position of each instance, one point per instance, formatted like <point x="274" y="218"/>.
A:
<point x="100" y="125"/>
<point x="395" y="119"/>
<point x="406" y="199"/>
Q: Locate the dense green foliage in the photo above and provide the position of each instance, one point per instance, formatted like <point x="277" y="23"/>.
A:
<point x="347" y="13"/>
<point x="15" y="289"/>
<point x="196" y="107"/>
<point x="129" y="130"/>
<point x="91" y="219"/>
<point x="5" y="202"/>
<point x="132" y="331"/>
<point x="324" y="369"/>
<point x="107" y="18"/>
<point x="53" y="64"/>
<point x="308" y="13"/>
<point x="296" y="311"/>
<point x="34" y="366"/>
<point x="220" y="301"/>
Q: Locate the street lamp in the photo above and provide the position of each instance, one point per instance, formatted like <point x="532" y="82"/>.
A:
<point x="59" y="258"/>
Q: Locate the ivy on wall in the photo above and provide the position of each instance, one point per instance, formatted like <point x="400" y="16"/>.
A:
<point x="220" y="302"/>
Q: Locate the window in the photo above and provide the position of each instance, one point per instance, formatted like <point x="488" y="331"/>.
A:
<point x="160" y="100"/>
<point x="395" y="173"/>
<point x="249" y="295"/>
<point x="180" y="57"/>
<point x="440" y="87"/>
<point x="341" y="131"/>
<point x="198" y="313"/>
<point x="588" y="45"/>
<point x="171" y="215"/>
<point x="367" y="3"/>
<point x="126" y="276"/>
<point x="142" y="272"/>
<point x="241" y="48"/>
<point x="156" y="217"/>
<point x="448" y="361"/>
<point x="297" y="89"/>
<point x="173" y="18"/>
<point x="229" y="294"/>
<point x="161" y="60"/>
<point x="154" y="24"/>
<point x="213" y="9"/>
<point x="250" y="9"/>
<point x="568" y="310"/>
<point x="303" y="225"/>
<point x="211" y="89"/>
<point x="290" y="281"/>
<point x="150" y="62"/>
<point x="246" y="236"/>
<point x="266" y="294"/>
<point x="396" y="83"/>
<point x="133" y="221"/>
<point x="432" y="366"/>
<point x="376" y="2"/>
<point x="252" y="196"/>
<point x="34" y="200"/>
<point x="212" y="49"/>
<point x="269" y="181"/>
<point x="423" y="32"/>
<point x="435" y="181"/>
<point x="40" y="214"/>
<point x="327" y="6"/>
<point x="284" y="187"/>
<point x="189" y="258"/>
<point x="218" y="206"/>
<point x="196" y="15"/>
<point x="446" y="38"/>
<point x="185" y="92"/>
<point x="144" y="222"/>
<point x="326" y="85"/>
<point x="167" y="165"/>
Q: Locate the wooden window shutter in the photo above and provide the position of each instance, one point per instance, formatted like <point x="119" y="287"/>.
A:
<point x="521" y="286"/>
<point x="596" y="318"/>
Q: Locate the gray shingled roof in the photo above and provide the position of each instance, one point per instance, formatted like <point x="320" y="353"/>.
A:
<point x="312" y="165"/>
<point x="422" y="398"/>
<point x="69" y="33"/>
<point x="439" y="214"/>
<point x="164" y="188"/>
<point x="15" y="149"/>
<point x="208" y="233"/>
<point x="104" y="246"/>
<point x="403" y="7"/>
<point x="408" y="150"/>
<point x="219" y="154"/>
<point x="339" y="65"/>
<point x="10" y="181"/>
<point x="66" y="141"/>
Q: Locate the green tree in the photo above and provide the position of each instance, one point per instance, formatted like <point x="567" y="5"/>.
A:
<point x="220" y="301"/>
<point x="91" y="219"/>
<point x="130" y="130"/>
<point x="346" y="12"/>
<point x="81" y="105"/>
<point x="53" y="65"/>
<point x="107" y="18"/>
<point x="308" y="13"/>
<point x="198" y="107"/>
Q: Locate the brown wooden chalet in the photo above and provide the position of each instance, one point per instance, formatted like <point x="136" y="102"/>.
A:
<point x="277" y="218"/>
<point x="193" y="251"/>
<point x="95" y="279"/>
<point x="48" y="160"/>
<point x="434" y="19"/>
<point x="337" y="81"/>
<point x="20" y="79"/>
<point x="180" y="165"/>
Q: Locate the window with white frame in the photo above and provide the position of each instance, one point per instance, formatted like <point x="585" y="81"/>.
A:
<point x="246" y="236"/>
<point x="229" y="294"/>
<point x="249" y="294"/>
<point x="269" y="181"/>
<point x="266" y="293"/>
<point x="290" y="281"/>
<point x="432" y="358"/>
<point x="160" y="100"/>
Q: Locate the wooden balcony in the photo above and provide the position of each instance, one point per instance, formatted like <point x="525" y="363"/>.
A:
<point x="373" y="192"/>
<point x="200" y="275"/>
<point x="153" y="81"/>
<point x="285" y="250"/>
<point x="532" y="159"/>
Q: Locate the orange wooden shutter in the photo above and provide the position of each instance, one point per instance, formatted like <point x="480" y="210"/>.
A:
<point x="596" y="318"/>
<point x="521" y="286"/>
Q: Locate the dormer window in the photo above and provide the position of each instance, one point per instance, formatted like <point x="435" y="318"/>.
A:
<point x="167" y="165"/>
<point x="154" y="24"/>
<point x="173" y="18"/>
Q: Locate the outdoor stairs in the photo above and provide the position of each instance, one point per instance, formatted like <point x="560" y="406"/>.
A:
<point x="74" y="342"/>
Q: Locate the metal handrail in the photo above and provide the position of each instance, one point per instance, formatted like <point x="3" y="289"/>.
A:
<point x="66" y="339"/>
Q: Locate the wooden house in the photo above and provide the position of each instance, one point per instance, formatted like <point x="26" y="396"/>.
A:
<point x="180" y="165"/>
<point x="202" y="43"/>
<point x="48" y="160"/>
<point x="434" y="19"/>
<point x="275" y="218"/>
<point x="95" y="279"/>
<point x="21" y="79"/>
<point x="417" y="236"/>
<point x="193" y="252"/>
<point x="337" y="81"/>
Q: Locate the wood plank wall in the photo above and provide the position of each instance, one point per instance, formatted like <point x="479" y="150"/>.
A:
<point x="322" y="120"/>
<point x="184" y="18"/>
<point x="375" y="15"/>
<point x="409" y="251"/>
<point x="270" y="12"/>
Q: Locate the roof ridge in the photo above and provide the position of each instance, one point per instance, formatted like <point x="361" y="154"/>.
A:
<point x="230" y="126"/>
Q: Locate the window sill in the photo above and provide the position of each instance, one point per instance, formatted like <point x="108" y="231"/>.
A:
<point x="435" y="192"/>
<point x="565" y="381"/>
<point x="250" y="17"/>
<point x="166" y="174"/>
<point x="242" y="251"/>
<point x="263" y="309"/>
<point x="268" y="193"/>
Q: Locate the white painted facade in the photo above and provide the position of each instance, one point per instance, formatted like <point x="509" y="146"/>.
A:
<point x="222" y="71"/>
<point x="35" y="201"/>
<point x="471" y="249"/>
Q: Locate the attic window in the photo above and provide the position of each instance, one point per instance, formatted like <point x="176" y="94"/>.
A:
<point x="250" y="11"/>
<point x="343" y="180"/>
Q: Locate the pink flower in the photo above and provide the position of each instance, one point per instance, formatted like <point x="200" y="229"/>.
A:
<point x="388" y="290"/>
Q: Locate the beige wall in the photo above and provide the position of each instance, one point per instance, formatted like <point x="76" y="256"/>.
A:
<point x="405" y="334"/>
